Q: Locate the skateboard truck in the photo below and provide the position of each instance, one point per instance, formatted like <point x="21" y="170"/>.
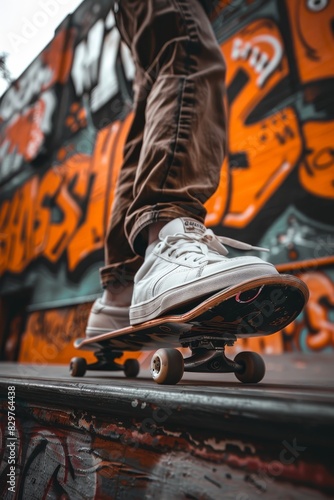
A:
<point x="208" y="356"/>
<point x="105" y="362"/>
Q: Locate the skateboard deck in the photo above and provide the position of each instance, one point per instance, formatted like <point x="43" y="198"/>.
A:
<point x="256" y="307"/>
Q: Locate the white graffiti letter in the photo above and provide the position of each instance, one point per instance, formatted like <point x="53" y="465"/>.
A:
<point x="258" y="59"/>
<point x="86" y="59"/>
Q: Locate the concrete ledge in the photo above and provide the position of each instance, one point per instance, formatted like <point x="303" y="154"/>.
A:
<point x="135" y="439"/>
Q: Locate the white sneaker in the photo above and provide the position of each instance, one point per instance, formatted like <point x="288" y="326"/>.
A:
<point x="188" y="262"/>
<point x="104" y="318"/>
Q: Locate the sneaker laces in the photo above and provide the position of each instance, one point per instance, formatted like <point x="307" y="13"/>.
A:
<point x="203" y="244"/>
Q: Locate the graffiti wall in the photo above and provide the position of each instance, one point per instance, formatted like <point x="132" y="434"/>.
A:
<point x="62" y="129"/>
<point x="63" y="124"/>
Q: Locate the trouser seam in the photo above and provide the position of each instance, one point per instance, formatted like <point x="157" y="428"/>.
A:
<point x="190" y="64"/>
<point x="178" y="115"/>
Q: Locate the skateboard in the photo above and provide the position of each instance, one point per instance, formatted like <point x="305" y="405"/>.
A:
<point x="206" y="326"/>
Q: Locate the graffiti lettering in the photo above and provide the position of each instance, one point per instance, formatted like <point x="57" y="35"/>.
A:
<point x="46" y="228"/>
<point x="317" y="172"/>
<point x="25" y="135"/>
<point x="58" y="213"/>
<point x="107" y="85"/>
<point x="27" y="108"/>
<point x="85" y="62"/>
<point x="94" y="64"/>
<point x="10" y="161"/>
<point x="256" y="173"/>
<point x="260" y="60"/>
<point x="315" y="329"/>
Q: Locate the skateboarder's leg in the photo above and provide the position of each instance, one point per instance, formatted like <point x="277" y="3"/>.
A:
<point x="176" y="144"/>
<point x="172" y="165"/>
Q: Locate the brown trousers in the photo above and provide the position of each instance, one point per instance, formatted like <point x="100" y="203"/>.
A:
<point x="176" y="144"/>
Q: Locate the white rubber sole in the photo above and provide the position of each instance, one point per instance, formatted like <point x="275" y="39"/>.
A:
<point x="176" y="296"/>
<point x="104" y="318"/>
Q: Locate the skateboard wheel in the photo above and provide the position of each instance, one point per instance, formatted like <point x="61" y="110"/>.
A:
<point x="78" y="367"/>
<point x="253" y="367"/>
<point x="167" y="366"/>
<point x="131" y="368"/>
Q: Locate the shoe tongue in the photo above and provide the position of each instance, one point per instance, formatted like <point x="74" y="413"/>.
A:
<point x="182" y="225"/>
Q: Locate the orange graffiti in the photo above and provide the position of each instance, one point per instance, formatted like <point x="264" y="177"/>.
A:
<point x="24" y="133"/>
<point x="49" y="336"/>
<point x="317" y="171"/>
<point x="216" y="206"/>
<point x="16" y="221"/>
<point x="317" y="311"/>
<point x="27" y="119"/>
<point x="58" y="56"/>
<point x="316" y="319"/>
<point x="311" y="24"/>
<point x="271" y="344"/>
<point x="66" y="210"/>
<point x="263" y="150"/>
<point x="103" y="171"/>
<point x="77" y="119"/>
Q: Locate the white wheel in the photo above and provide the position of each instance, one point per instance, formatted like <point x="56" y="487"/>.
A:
<point x="253" y="367"/>
<point x="167" y="366"/>
<point x="131" y="368"/>
<point x="78" y="367"/>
